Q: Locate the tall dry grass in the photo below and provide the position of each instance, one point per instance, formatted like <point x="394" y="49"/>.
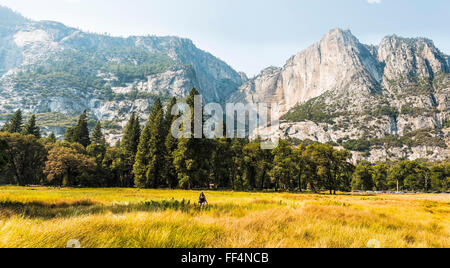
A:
<point x="47" y="217"/>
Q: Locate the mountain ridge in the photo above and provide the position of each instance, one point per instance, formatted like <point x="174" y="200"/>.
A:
<point x="47" y="67"/>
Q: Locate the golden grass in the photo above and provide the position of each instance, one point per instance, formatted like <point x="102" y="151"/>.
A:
<point x="132" y="218"/>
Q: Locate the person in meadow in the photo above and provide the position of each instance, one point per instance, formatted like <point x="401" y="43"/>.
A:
<point x="202" y="200"/>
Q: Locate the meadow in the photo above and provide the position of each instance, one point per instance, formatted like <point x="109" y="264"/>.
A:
<point x="40" y="217"/>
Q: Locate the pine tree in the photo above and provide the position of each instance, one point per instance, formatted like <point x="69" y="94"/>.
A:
<point x="15" y="123"/>
<point x="97" y="136"/>
<point x="140" y="165"/>
<point x="51" y="138"/>
<point x="169" y="118"/>
<point x="129" y="148"/>
<point x="31" y="128"/>
<point x="131" y="137"/>
<point x="155" y="169"/>
<point x="171" y="144"/>
<point x="148" y="147"/>
<point x="157" y="107"/>
<point x="189" y="158"/>
<point x="81" y="132"/>
<point x="69" y="136"/>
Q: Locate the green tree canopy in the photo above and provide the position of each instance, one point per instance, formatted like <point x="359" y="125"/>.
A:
<point x="3" y="152"/>
<point x="97" y="136"/>
<point x="81" y="131"/>
<point x="65" y="166"/>
<point x="25" y="156"/>
<point x="129" y="149"/>
<point x="363" y="177"/>
<point x="171" y="144"/>
<point x="149" y="166"/>
<point x="284" y="167"/>
<point x="191" y="158"/>
<point x="51" y="138"/>
<point x="31" y="128"/>
<point x="15" y="123"/>
<point x="440" y="177"/>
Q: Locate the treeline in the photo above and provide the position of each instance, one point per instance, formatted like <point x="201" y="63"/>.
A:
<point x="150" y="157"/>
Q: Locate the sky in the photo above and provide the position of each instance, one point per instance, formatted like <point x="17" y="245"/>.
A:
<point x="250" y="35"/>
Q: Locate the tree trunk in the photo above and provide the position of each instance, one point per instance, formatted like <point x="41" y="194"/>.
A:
<point x="300" y="182"/>
<point x="263" y="180"/>
<point x="66" y="179"/>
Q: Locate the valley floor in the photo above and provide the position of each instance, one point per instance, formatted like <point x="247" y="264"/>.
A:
<point x="132" y="218"/>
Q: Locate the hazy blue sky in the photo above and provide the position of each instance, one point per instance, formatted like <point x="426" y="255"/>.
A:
<point x="249" y="34"/>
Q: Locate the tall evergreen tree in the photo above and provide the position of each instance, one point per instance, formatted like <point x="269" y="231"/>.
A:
<point x="148" y="167"/>
<point x="31" y="128"/>
<point x="131" y="137"/>
<point x="189" y="158"/>
<point x="156" y="166"/>
<point x="141" y="162"/>
<point x="171" y="144"/>
<point x="97" y="136"/>
<point x="81" y="132"/>
<point x="129" y="148"/>
<point x="168" y="117"/>
<point x="69" y="136"/>
<point x="15" y="123"/>
<point x="51" y="138"/>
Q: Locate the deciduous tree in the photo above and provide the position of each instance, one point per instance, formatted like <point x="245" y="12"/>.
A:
<point x="67" y="167"/>
<point x="25" y="156"/>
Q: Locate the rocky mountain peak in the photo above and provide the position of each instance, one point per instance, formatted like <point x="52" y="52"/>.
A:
<point x="340" y="36"/>
<point x="338" y="62"/>
<point x="411" y="57"/>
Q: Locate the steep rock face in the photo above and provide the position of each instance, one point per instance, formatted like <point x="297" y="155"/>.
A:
<point x="395" y="96"/>
<point x="337" y="62"/>
<point x="410" y="58"/>
<point x="40" y="41"/>
<point x="177" y="80"/>
<point x="269" y="80"/>
<point x="215" y="78"/>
